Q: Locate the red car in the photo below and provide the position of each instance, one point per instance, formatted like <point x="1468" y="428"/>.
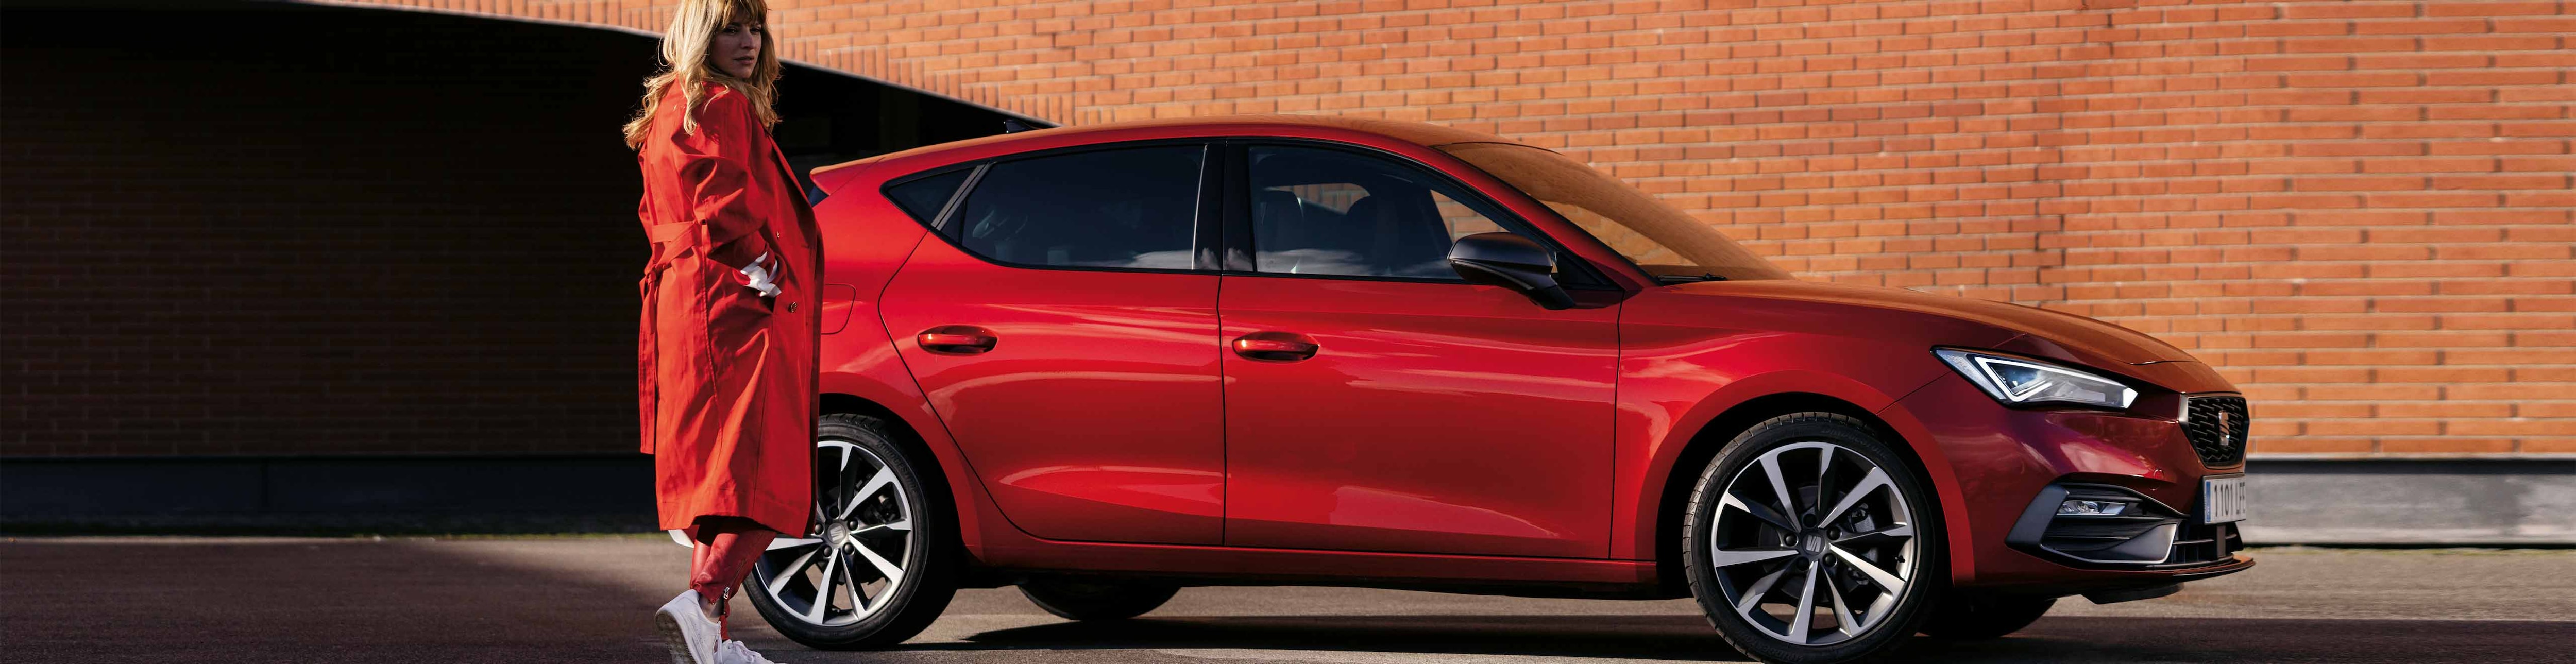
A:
<point x="1105" y="363"/>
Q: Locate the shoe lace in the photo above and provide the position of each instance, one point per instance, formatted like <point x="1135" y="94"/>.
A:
<point x="734" y="652"/>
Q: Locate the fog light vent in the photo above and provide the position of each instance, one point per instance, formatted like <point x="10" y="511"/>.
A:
<point x="2092" y="508"/>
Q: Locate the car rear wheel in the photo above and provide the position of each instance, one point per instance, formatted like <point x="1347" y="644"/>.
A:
<point x="871" y="572"/>
<point x="1809" y="539"/>
<point x="1082" y="599"/>
<point x="1985" y="617"/>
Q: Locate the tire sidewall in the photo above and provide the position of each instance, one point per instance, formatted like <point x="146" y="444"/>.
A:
<point x="928" y="580"/>
<point x="1930" y="544"/>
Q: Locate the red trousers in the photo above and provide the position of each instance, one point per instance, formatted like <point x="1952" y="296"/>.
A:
<point x="727" y="548"/>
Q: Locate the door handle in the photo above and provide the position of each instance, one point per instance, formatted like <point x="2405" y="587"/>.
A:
<point x="1275" y="346"/>
<point x="957" y="339"/>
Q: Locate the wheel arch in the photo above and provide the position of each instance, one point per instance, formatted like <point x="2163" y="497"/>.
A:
<point x="1710" y="439"/>
<point x="951" y="480"/>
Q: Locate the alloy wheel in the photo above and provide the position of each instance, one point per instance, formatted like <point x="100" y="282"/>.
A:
<point x="1813" y="544"/>
<point x="852" y="562"/>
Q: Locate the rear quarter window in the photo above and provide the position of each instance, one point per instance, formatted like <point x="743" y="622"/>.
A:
<point x="923" y="198"/>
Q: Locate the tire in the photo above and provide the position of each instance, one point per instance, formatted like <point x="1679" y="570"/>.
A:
<point x="1869" y="571"/>
<point x="1081" y="599"/>
<point x="1972" y="617"/>
<point x="901" y="520"/>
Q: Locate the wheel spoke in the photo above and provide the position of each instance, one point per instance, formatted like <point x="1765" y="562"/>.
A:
<point x="858" y="596"/>
<point x="1876" y="480"/>
<point x="1824" y="470"/>
<point x="841" y="500"/>
<point x="1753" y="595"/>
<point x="1758" y="511"/>
<point x="785" y="543"/>
<point x="1842" y="612"/>
<point x="1871" y="538"/>
<point x="893" y="573"/>
<point x="823" y="590"/>
<point x="1885" y="580"/>
<point x="1780" y="488"/>
<point x="904" y="526"/>
<point x="788" y="572"/>
<point x="1799" y="623"/>
<point x="883" y="478"/>
<point x="1733" y="557"/>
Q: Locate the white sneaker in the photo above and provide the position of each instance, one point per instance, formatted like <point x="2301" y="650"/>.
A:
<point x="691" y="635"/>
<point x="734" y="652"/>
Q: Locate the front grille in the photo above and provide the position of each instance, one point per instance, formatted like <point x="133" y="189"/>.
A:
<point x="2217" y="428"/>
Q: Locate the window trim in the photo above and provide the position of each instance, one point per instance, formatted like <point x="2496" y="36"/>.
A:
<point x="1202" y="241"/>
<point x="1238" y="249"/>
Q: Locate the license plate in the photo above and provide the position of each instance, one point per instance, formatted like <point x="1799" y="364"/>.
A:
<point x="2222" y="499"/>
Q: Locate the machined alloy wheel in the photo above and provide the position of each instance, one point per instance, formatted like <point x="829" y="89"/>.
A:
<point x="868" y="572"/>
<point x="848" y="567"/>
<point x="1808" y="542"/>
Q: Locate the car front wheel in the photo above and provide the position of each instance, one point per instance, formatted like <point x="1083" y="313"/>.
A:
<point x="870" y="573"/>
<point x="1809" y="540"/>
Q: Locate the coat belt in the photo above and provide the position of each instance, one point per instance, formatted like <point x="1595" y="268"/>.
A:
<point x="669" y="240"/>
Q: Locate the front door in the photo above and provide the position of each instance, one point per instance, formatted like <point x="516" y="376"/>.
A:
<point x="1376" y="402"/>
<point x="1056" y="326"/>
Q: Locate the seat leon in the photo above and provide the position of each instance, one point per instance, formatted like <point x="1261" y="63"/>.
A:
<point x="1106" y="363"/>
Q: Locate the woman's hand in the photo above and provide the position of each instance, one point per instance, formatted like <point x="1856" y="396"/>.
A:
<point x="759" y="272"/>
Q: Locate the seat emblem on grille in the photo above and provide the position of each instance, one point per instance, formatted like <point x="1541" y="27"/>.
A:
<point x="2223" y="431"/>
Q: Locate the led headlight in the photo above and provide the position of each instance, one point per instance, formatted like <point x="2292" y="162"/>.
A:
<point x="2016" y="380"/>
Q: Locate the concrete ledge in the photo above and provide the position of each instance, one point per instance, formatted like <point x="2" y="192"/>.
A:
<point x="2456" y="501"/>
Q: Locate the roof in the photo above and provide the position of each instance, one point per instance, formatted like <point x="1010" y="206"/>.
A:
<point x="1419" y="133"/>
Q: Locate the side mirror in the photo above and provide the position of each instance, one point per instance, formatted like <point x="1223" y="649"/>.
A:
<point x="1510" y="261"/>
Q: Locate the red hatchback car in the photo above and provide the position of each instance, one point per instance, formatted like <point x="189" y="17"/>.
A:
<point x="1105" y="363"/>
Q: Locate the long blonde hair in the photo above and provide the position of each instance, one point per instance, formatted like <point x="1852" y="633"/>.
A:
<point x="684" y="55"/>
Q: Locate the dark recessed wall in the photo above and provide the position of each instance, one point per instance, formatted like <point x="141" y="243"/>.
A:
<point x="265" y="229"/>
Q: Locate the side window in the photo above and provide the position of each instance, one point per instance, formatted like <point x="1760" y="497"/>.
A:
<point x="1124" y="208"/>
<point x="924" y="197"/>
<point x="1324" y="211"/>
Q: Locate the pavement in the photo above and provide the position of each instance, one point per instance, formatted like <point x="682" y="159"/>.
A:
<point x="587" y="599"/>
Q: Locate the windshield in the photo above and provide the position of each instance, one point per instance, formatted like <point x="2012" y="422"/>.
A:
<point x="1665" y="241"/>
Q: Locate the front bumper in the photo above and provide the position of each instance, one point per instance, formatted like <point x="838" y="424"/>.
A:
<point x="2155" y="537"/>
<point x="2013" y="466"/>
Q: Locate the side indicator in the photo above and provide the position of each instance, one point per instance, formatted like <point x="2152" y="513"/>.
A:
<point x="838" y="299"/>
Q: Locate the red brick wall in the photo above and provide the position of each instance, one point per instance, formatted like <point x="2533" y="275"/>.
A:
<point x="2361" y="211"/>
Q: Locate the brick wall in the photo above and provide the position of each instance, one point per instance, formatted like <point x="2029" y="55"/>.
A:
<point x="2361" y="211"/>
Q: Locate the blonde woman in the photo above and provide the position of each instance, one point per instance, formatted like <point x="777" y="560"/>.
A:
<point x="728" y="337"/>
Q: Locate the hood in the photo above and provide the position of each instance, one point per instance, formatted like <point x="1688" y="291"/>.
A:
<point x="2083" y="336"/>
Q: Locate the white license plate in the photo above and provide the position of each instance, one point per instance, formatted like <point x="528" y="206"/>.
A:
<point x="2222" y="499"/>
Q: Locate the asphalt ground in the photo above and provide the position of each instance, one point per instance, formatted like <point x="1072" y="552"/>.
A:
<point x="588" y="599"/>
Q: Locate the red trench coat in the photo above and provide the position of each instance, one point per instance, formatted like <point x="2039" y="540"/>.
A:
<point x="726" y="377"/>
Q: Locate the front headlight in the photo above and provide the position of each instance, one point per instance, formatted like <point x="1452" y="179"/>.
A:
<point x="2015" y="380"/>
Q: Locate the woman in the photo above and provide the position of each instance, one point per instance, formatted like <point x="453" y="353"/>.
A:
<point x="726" y="361"/>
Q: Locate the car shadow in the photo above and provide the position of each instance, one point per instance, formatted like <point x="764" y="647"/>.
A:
<point x="1688" y="638"/>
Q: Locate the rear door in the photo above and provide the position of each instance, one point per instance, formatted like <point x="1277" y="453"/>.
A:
<point x="1057" y="325"/>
